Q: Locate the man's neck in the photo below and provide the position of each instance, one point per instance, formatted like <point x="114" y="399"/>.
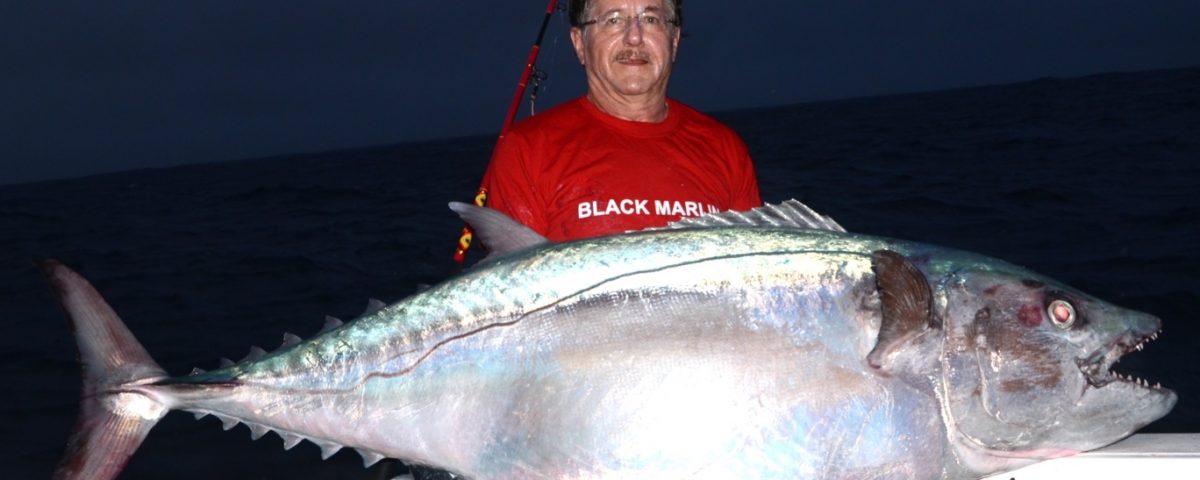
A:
<point x="651" y="109"/>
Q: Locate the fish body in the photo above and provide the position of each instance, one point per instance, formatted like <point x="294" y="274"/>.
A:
<point x="736" y="351"/>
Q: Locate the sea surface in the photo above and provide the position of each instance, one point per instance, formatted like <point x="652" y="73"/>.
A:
<point x="1094" y="181"/>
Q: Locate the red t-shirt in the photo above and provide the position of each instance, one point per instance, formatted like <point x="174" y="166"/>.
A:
<point x="575" y="172"/>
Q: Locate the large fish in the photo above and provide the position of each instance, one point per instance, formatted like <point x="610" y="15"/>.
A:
<point x="765" y="344"/>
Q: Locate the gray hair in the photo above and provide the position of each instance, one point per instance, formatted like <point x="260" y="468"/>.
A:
<point x="576" y="9"/>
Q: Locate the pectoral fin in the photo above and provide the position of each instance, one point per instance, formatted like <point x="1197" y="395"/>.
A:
<point x="906" y="301"/>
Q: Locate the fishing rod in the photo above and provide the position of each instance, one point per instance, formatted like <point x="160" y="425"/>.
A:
<point x="464" y="240"/>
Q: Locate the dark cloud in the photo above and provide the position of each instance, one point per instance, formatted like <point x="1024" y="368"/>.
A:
<point x="92" y="87"/>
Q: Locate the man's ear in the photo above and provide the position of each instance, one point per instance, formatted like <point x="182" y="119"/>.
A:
<point x="577" y="41"/>
<point x="675" y="42"/>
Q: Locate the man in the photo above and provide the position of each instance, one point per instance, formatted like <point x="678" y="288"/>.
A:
<point x="623" y="157"/>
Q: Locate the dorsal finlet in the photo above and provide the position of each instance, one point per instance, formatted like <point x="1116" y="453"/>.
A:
<point x="256" y="352"/>
<point x="330" y="324"/>
<point x="225" y="362"/>
<point x="289" y="339"/>
<point x="788" y="214"/>
<point x="198" y="371"/>
<point x="374" y="305"/>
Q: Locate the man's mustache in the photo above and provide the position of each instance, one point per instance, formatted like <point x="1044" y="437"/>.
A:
<point x="625" y="55"/>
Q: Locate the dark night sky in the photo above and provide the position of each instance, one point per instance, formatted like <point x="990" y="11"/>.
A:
<point x="92" y="87"/>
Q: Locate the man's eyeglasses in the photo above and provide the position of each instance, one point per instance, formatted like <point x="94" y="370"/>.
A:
<point x="617" y="23"/>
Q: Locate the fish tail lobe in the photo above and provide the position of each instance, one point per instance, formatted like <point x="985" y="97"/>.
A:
<point x="116" y="411"/>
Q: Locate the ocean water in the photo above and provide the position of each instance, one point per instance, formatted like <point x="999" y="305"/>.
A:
<point x="1094" y="181"/>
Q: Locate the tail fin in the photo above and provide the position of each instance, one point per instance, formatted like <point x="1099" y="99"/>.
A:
<point x="114" y="413"/>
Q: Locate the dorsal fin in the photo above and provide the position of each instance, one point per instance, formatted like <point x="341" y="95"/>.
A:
<point x="499" y="233"/>
<point x="789" y="214"/>
<point x="906" y="301"/>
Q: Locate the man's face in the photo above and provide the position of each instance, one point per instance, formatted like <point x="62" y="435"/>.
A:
<point x="624" y="53"/>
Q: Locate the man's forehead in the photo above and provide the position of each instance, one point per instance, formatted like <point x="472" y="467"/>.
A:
<point x="604" y="6"/>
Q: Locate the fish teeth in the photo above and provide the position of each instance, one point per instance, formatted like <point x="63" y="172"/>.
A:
<point x="257" y="431"/>
<point x="198" y="414"/>
<point x="327" y="448"/>
<point x="290" y="440"/>
<point x="226" y="422"/>
<point x="369" y="458"/>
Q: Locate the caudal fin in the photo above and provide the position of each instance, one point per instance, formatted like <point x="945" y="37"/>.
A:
<point x="115" y="414"/>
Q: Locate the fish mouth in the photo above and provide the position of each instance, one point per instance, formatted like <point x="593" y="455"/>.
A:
<point x="1098" y="367"/>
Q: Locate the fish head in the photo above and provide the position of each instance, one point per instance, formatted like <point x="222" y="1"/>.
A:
<point x="1027" y="365"/>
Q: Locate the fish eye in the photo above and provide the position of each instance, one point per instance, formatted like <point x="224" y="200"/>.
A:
<point x="1062" y="314"/>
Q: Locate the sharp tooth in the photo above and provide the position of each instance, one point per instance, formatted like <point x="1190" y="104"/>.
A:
<point x="290" y="440"/>
<point x="327" y="448"/>
<point x="369" y="458"/>
<point x="1138" y="347"/>
<point x="257" y="431"/>
<point x="226" y="422"/>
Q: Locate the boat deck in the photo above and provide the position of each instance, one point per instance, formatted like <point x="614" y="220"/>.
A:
<point x="1149" y="455"/>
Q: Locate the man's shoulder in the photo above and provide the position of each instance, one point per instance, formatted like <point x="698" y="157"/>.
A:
<point x="692" y="118"/>
<point x="555" y="118"/>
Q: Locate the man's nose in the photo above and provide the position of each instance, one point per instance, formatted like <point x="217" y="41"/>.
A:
<point x="633" y="32"/>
